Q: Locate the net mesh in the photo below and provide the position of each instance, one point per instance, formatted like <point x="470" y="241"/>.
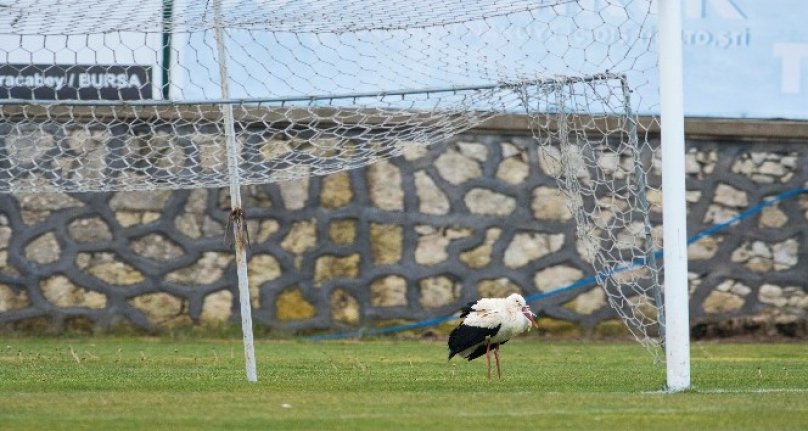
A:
<point x="603" y="167"/>
<point x="198" y="93"/>
<point x="332" y="16"/>
<point x="106" y="148"/>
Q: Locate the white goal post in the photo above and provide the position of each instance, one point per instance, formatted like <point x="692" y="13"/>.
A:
<point x="677" y="310"/>
<point x="169" y="94"/>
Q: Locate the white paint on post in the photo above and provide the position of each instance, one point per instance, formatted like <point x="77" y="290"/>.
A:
<point x="235" y="202"/>
<point x="677" y="315"/>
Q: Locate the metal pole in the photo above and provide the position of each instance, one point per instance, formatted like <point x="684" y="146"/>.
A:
<point x="237" y="219"/>
<point x="677" y="322"/>
<point x="168" y="14"/>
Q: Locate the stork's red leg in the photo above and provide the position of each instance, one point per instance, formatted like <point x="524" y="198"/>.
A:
<point x="496" y="358"/>
<point x="488" y="358"/>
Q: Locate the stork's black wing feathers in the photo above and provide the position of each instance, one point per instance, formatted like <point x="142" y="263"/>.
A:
<point x="467" y="309"/>
<point x="464" y="337"/>
<point x="480" y="350"/>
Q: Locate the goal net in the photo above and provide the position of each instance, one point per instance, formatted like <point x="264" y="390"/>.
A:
<point x="159" y="94"/>
<point x="603" y="165"/>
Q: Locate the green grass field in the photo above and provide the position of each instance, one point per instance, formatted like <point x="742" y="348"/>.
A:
<point x="112" y="383"/>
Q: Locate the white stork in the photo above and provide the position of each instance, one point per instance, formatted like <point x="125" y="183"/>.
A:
<point x="488" y="324"/>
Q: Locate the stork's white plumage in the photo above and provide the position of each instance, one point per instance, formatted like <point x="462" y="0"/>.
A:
<point x="488" y="324"/>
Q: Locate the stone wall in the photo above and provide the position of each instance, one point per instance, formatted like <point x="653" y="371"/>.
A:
<point x="750" y="277"/>
<point x="401" y="240"/>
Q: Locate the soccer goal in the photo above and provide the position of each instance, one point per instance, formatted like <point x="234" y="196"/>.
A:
<point x="167" y="94"/>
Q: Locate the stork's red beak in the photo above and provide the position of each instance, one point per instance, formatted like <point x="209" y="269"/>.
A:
<point x="530" y="316"/>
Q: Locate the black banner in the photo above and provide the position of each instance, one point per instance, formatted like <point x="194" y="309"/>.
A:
<point x="75" y="82"/>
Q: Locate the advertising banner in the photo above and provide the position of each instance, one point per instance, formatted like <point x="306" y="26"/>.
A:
<point x="75" y="82"/>
<point x="746" y="58"/>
